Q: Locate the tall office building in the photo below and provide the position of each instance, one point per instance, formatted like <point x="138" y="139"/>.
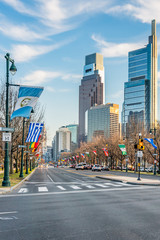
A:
<point x="91" y="90"/>
<point x="73" y="128"/>
<point x="62" y="141"/>
<point x="140" y="92"/>
<point x="102" y="120"/>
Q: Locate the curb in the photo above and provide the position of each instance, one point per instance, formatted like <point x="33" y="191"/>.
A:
<point x="117" y="180"/>
<point x="18" y="184"/>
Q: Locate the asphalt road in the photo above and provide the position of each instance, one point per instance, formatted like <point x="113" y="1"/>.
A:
<point x="66" y="204"/>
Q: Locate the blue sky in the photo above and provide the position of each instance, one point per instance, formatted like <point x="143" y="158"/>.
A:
<point x="49" y="39"/>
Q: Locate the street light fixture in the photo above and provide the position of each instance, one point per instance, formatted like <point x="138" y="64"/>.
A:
<point x="13" y="70"/>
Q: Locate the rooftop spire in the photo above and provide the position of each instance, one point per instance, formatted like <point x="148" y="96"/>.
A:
<point x="153" y="27"/>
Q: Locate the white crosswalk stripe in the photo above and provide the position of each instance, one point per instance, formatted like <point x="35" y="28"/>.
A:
<point x="42" y="189"/>
<point x="62" y="188"/>
<point x="101" y="185"/>
<point x="23" y="190"/>
<point x="89" y="186"/>
<point x="75" y="187"/>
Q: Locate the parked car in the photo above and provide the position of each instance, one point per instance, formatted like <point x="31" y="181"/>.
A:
<point x="118" y="168"/>
<point x="72" y="166"/>
<point x="89" y="167"/>
<point x="79" y="167"/>
<point x="106" y="168"/>
<point x="96" y="167"/>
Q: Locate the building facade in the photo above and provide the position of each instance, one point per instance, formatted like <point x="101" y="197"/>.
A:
<point x="73" y="128"/>
<point x="140" y="92"/>
<point x="91" y="90"/>
<point x="62" y="142"/>
<point x="102" y="120"/>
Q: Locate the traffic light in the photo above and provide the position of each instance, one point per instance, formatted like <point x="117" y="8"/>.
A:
<point x="136" y="146"/>
<point x="140" y="146"/>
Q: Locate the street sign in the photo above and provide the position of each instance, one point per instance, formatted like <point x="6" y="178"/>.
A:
<point x="6" y="137"/>
<point x="139" y="154"/>
<point x="5" y="129"/>
<point x="22" y="146"/>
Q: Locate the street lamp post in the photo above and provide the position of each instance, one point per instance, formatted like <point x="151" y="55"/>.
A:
<point x="13" y="70"/>
<point x="21" y="170"/>
<point x="154" y="132"/>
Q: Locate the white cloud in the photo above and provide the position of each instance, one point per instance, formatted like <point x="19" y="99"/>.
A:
<point x="42" y="77"/>
<point x="39" y="77"/>
<point x="20" y="33"/>
<point x="110" y="50"/>
<point x="24" y="52"/>
<point x="143" y="10"/>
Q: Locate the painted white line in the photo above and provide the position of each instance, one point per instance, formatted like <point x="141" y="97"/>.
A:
<point x="42" y="189"/>
<point x="112" y="184"/>
<point x="89" y="186"/>
<point x="50" y="178"/>
<point x="1" y="213"/>
<point x="62" y="188"/>
<point x="23" y="190"/>
<point x="101" y="185"/>
<point x="75" y="187"/>
<point x="81" y="191"/>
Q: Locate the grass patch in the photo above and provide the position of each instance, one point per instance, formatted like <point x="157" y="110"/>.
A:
<point x="14" y="178"/>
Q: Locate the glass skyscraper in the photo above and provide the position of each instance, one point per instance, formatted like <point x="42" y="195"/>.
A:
<point x="140" y="92"/>
<point x="102" y="120"/>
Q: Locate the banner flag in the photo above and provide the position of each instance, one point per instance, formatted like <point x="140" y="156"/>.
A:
<point x="150" y="140"/>
<point x="95" y="152"/>
<point x="105" y="152"/>
<point x="34" y="132"/>
<point x="37" y="143"/>
<point x="27" y="99"/>
<point x="32" y="145"/>
<point x="87" y="153"/>
<point x="123" y="149"/>
<point x="82" y="155"/>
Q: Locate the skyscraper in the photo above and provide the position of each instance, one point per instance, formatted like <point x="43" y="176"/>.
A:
<point x="103" y="120"/>
<point x="140" y="92"/>
<point x="91" y="90"/>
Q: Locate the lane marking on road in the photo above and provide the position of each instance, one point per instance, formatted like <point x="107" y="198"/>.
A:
<point x="3" y="213"/>
<point x="50" y="178"/>
<point x="42" y="189"/>
<point x="8" y="218"/>
<point x="101" y="185"/>
<point x="89" y="186"/>
<point x="23" y="190"/>
<point x="81" y="191"/>
<point x="62" y="188"/>
<point x="75" y="187"/>
<point x="112" y="184"/>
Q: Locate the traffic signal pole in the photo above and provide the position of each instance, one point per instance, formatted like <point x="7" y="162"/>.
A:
<point x="139" y="163"/>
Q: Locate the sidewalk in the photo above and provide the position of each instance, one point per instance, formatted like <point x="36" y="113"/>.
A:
<point x="131" y="180"/>
<point x="4" y="190"/>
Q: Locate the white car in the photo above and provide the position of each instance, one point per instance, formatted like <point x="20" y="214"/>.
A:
<point x="96" y="167"/>
<point x="79" y="167"/>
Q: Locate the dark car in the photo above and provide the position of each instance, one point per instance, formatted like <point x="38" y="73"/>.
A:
<point x="106" y="168"/>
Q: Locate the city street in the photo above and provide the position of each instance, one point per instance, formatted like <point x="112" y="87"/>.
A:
<point x="61" y="203"/>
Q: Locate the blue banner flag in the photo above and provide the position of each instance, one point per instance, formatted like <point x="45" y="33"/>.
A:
<point x="27" y="99"/>
<point x="150" y="140"/>
<point x="34" y="132"/>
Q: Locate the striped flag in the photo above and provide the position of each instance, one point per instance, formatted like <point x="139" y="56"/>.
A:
<point x="34" y="132"/>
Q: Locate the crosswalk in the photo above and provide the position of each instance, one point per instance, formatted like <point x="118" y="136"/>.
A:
<point x="69" y="187"/>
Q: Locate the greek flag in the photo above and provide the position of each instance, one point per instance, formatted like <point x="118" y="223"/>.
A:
<point x="34" y="132"/>
<point x="150" y="140"/>
<point x="27" y="99"/>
